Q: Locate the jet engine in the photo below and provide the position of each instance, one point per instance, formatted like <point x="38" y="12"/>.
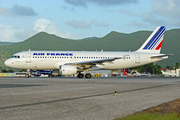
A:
<point x="67" y="70"/>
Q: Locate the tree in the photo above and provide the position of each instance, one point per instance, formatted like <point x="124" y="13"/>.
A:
<point x="4" y="71"/>
<point x="149" y="68"/>
<point x="10" y="71"/>
<point x="177" y="65"/>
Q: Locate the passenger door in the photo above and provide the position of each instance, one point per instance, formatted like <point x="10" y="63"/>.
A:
<point x="137" y="58"/>
<point x="28" y="58"/>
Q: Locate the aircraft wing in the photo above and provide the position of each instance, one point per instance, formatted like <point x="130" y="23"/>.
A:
<point x="93" y="63"/>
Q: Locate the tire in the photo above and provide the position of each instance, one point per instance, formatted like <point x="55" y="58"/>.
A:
<point x="88" y="76"/>
<point x="27" y="76"/>
<point x="80" y="75"/>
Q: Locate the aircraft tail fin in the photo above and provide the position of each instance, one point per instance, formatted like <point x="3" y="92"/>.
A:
<point x="124" y="72"/>
<point x="154" y="42"/>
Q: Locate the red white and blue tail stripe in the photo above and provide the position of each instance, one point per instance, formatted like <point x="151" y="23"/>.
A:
<point x="154" y="42"/>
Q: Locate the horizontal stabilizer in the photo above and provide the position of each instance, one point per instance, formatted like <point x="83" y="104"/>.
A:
<point x="161" y="55"/>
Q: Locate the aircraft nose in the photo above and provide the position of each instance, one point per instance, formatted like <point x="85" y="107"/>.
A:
<point x="7" y="63"/>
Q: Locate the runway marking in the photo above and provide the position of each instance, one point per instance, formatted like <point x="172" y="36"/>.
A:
<point x="55" y="90"/>
<point x="82" y="97"/>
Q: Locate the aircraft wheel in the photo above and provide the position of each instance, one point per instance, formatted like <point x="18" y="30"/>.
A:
<point x="52" y="75"/>
<point x="80" y="75"/>
<point x="88" y="75"/>
<point x="27" y="76"/>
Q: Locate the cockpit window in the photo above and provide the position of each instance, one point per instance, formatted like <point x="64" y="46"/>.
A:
<point x="15" y="56"/>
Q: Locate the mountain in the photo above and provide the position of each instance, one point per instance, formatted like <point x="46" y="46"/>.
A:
<point x="6" y="43"/>
<point x="113" y="41"/>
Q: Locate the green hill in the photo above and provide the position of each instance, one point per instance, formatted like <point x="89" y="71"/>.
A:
<point x="6" y="43"/>
<point x="113" y="41"/>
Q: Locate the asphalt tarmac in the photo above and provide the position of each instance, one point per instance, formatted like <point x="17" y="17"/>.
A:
<point x="82" y="99"/>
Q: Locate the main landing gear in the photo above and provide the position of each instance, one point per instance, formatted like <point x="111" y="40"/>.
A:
<point x="87" y="75"/>
<point x="80" y="75"/>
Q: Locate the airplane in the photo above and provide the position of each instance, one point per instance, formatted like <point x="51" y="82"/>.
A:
<point x="75" y="62"/>
<point x="128" y="75"/>
<point x="169" y="74"/>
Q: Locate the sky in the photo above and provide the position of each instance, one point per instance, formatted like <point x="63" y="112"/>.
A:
<point x="78" y="19"/>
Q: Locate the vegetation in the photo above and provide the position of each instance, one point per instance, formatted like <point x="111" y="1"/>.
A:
<point x="149" y="68"/>
<point x="164" y="111"/>
<point x="7" y="71"/>
<point x="152" y="116"/>
<point x="113" y="41"/>
<point x="6" y="43"/>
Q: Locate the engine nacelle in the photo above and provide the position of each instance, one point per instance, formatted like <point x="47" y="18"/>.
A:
<point x="67" y="70"/>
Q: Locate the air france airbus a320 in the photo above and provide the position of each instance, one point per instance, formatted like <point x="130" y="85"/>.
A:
<point x="75" y="62"/>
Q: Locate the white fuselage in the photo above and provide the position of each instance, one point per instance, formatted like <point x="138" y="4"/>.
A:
<point x="38" y="60"/>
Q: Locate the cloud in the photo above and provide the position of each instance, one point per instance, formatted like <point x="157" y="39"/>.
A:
<point x="41" y="25"/>
<point x="14" y="34"/>
<point x="78" y="24"/>
<point x="24" y="34"/>
<point x="23" y="11"/>
<point x="84" y="3"/>
<point x="167" y="8"/>
<point x="67" y="8"/>
<point x="77" y="2"/>
<point x="137" y="24"/>
<point x="129" y="13"/>
<point x="17" y="10"/>
<point x="51" y="28"/>
<point x="149" y="17"/>
<point x="164" y="12"/>
<point x="113" y="2"/>
<point x="98" y="24"/>
<point x="84" y="25"/>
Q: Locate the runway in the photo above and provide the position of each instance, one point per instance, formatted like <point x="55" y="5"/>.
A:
<point x="82" y="99"/>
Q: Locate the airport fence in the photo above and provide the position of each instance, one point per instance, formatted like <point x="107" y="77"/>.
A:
<point x="7" y="74"/>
